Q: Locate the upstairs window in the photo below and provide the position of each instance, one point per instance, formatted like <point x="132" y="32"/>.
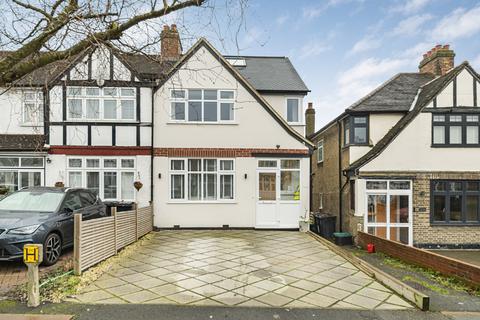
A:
<point x="320" y="152"/>
<point x="451" y="130"/>
<point x="32" y="111"/>
<point x="293" y="110"/>
<point x="93" y="103"/>
<point x="356" y="130"/>
<point x="199" y="105"/>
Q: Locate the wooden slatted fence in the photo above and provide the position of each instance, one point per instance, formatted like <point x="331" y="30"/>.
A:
<point x="98" y="239"/>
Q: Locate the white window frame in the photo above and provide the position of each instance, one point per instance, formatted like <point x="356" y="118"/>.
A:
<point x="388" y="193"/>
<point x="278" y="171"/>
<point x="300" y="108"/>
<point x="202" y="101"/>
<point x="320" y="148"/>
<point x="185" y="173"/>
<point x="101" y="97"/>
<point x="36" y="117"/>
<point x="102" y="169"/>
<point x="25" y="169"/>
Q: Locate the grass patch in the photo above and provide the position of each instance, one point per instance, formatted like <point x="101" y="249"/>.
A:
<point x="432" y="275"/>
<point x="426" y="284"/>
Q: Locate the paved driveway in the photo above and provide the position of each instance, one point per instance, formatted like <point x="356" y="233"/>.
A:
<point x="244" y="268"/>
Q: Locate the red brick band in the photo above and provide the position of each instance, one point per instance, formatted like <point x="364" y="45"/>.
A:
<point x="224" y="152"/>
<point x="100" y="150"/>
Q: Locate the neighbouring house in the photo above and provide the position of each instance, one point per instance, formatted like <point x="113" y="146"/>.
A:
<point x="401" y="163"/>
<point x="213" y="140"/>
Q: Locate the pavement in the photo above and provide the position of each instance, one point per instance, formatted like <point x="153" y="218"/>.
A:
<point x="239" y="268"/>
<point x="14" y="273"/>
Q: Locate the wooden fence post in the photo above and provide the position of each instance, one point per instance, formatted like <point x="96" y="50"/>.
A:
<point x="77" y="246"/>
<point x="113" y="212"/>
<point x="135" y="207"/>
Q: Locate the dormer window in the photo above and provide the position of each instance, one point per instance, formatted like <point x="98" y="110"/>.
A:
<point x="355" y="130"/>
<point x="455" y="130"/>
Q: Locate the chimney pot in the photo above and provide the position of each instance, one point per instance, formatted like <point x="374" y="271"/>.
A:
<point x="438" y="46"/>
<point x="446" y="47"/>
<point x="310" y="105"/>
<point x="425" y="55"/>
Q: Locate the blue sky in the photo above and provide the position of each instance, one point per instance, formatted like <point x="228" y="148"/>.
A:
<point x="345" y="48"/>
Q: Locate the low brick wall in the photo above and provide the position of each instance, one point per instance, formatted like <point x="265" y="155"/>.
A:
<point x="442" y="264"/>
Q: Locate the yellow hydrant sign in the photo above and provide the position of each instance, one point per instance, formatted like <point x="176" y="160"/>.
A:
<point x="31" y="253"/>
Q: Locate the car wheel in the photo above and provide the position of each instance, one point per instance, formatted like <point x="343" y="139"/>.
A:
<point x="52" y="249"/>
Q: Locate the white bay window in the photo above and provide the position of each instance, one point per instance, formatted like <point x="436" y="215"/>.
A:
<point x="202" y="179"/>
<point x="110" y="178"/>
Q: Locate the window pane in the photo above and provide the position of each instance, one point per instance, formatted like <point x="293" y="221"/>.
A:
<point x="75" y="179"/>
<point x="110" y="109"/>
<point x="32" y="162"/>
<point x="128" y="109"/>
<point x="178" y="110"/>
<point x="378" y="231"/>
<point x="9" y="162"/>
<point x="178" y="186"/>
<point x="110" y="163"/>
<point x="456" y="135"/>
<point x="472" y="185"/>
<point x="177" y="165"/>
<point x="472" y="208"/>
<point x="456" y="186"/>
<point x="194" y="111"/>
<point x="210" y="186"/>
<point x="226" y="187"/>
<point x="377" y="185"/>
<point x="292" y="110"/>
<point x="399" y="234"/>
<point x="110" y="92"/>
<point x="456" y="208"/>
<point x="226" y="111"/>
<point x="267" y="186"/>
<point x="194" y="186"/>
<point x="194" y="165"/>
<point x="455" y="118"/>
<point x="128" y="192"/>
<point x="399" y="209"/>
<point x="360" y="120"/>
<point x="30" y="179"/>
<point x="93" y="108"/>
<point x="128" y="163"/>
<point x="127" y="92"/>
<point x="92" y="91"/>
<point x="267" y="163"/>
<point x="226" y="94"/>
<point x="110" y="185"/>
<point x="210" y="165"/>
<point x="93" y="182"/>
<point x="74" y="91"/>
<point x="290" y="185"/>
<point x="8" y="182"/>
<point x="210" y="111"/>
<point x="290" y="164"/>
<point x="472" y="118"/>
<point x="75" y="163"/>
<point x="75" y="108"/>
<point x="28" y="112"/>
<point x="194" y="94"/>
<point x="439" y="118"/>
<point x="438" y="135"/>
<point x="439" y="186"/>
<point x="377" y="208"/>
<point x="179" y="94"/>
<point x="347" y="136"/>
<point x="399" y="185"/>
<point x="472" y="135"/>
<point x="360" y="135"/>
<point x="226" y="165"/>
<point x="93" y="163"/>
<point x="210" y="94"/>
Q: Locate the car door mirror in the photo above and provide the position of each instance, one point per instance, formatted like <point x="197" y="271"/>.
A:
<point x="67" y="211"/>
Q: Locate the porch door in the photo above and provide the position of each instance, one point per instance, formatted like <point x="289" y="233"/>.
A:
<point x="267" y="191"/>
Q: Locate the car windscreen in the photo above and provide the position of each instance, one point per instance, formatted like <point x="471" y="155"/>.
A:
<point x="32" y="201"/>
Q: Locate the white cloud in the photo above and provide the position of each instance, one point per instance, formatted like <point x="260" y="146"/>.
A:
<point x="280" y="20"/>
<point x="461" y="23"/>
<point x="254" y="36"/>
<point x="313" y="12"/>
<point x="312" y="49"/>
<point x="365" y="44"/>
<point x="410" y="6"/>
<point x="411" y="25"/>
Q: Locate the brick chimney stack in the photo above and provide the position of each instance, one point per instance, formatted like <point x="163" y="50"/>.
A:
<point x="437" y="61"/>
<point x="309" y="120"/>
<point x="171" y="47"/>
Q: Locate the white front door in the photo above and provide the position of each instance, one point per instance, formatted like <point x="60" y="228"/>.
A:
<point x="278" y="194"/>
